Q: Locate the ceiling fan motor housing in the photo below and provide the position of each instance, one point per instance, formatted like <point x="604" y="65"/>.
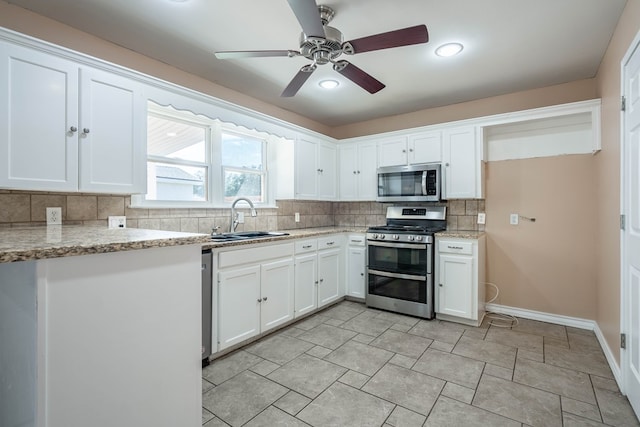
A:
<point x="322" y="50"/>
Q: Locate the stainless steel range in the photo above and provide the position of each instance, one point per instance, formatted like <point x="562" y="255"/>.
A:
<point x="401" y="258"/>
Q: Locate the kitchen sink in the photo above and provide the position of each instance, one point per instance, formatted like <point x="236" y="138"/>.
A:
<point x="246" y="235"/>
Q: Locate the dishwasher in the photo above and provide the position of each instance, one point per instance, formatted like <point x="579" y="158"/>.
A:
<point x="207" y="303"/>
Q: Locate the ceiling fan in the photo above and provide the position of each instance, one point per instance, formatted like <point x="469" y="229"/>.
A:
<point x="323" y="44"/>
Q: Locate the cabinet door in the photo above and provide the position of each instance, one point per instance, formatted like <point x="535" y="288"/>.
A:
<point x="327" y="160"/>
<point x="425" y="148"/>
<point x="306" y="169"/>
<point x="38" y="107"/>
<point x="356" y="266"/>
<point x="392" y="152"/>
<point x="367" y="171"/>
<point x="306" y="281"/>
<point x="276" y="279"/>
<point x="461" y="164"/>
<point x="348" y="167"/>
<point x="112" y="134"/>
<point x="455" y="286"/>
<point x="238" y="308"/>
<point x="328" y="276"/>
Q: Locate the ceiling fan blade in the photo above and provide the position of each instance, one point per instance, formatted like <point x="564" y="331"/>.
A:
<point x="297" y="82"/>
<point x="397" y="38"/>
<point x="309" y="17"/>
<point x="359" y="77"/>
<point x="238" y="54"/>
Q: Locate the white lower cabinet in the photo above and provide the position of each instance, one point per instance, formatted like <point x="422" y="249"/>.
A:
<point x="255" y="291"/>
<point x="356" y="266"/>
<point x="459" y="280"/>
<point x="318" y="273"/>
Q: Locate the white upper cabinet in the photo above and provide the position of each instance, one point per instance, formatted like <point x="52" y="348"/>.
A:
<point x="315" y="170"/>
<point x="67" y="127"/>
<point x="463" y="169"/>
<point x="358" y="164"/>
<point x="417" y="148"/>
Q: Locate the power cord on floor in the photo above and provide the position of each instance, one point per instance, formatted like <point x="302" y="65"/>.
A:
<point x="499" y="320"/>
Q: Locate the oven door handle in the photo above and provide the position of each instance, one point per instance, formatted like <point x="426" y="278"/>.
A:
<point x="396" y="245"/>
<point x="397" y="275"/>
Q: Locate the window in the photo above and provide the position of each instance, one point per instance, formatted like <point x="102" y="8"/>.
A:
<point x="196" y="161"/>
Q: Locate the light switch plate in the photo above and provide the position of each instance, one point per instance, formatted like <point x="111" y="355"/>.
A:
<point x="296" y="217"/>
<point x="117" y="222"/>
<point x="513" y="219"/>
<point x="482" y="217"/>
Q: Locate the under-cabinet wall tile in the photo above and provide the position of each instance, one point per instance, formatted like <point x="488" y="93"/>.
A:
<point x="457" y="207"/>
<point x="471" y="207"/>
<point x="40" y="203"/>
<point x="15" y="207"/>
<point x="110" y="205"/>
<point x="189" y="225"/>
<point x="83" y="208"/>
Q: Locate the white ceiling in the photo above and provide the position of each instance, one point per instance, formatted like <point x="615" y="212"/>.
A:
<point x="510" y="45"/>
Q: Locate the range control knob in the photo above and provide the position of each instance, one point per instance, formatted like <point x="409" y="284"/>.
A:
<point x="411" y="238"/>
<point x="381" y="236"/>
<point x="374" y="236"/>
<point x="396" y="237"/>
<point x="418" y="238"/>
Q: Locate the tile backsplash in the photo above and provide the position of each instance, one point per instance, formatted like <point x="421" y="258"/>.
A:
<point x="22" y="208"/>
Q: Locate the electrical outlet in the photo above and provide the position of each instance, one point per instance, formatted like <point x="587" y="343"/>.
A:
<point x="297" y="217"/>
<point x="482" y="217"/>
<point x="54" y="216"/>
<point x="513" y="219"/>
<point x="117" y="222"/>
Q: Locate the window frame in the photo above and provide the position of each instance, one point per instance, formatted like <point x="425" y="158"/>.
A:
<point x="215" y="182"/>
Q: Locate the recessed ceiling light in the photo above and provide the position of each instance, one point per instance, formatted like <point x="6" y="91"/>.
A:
<point x="449" y="49"/>
<point x="328" y="84"/>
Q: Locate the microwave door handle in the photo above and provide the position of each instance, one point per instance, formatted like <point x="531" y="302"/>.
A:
<point x="424" y="183"/>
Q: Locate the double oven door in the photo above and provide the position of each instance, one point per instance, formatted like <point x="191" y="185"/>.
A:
<point x="400" y="277"/>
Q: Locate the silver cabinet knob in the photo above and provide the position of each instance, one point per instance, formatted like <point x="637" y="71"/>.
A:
<point x="85" y="130"/>
<point x="404" y="151"/>
<point x="411" y="150"/>
<point x="446" y="164"/>
<point x="354" y="172"/>
<point x="321" y="280"/>
<point x="264" y="299"/>
<point x="260" y="299"/>
<point x="73" y="129"/>
<point x="441" y="285"/>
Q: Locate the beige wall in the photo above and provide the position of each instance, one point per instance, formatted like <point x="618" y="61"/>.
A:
<point x="607" y="168"/>
<point x="547" y="265"/>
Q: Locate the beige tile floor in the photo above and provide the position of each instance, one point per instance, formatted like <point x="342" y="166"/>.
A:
<point x="354" y="366"/>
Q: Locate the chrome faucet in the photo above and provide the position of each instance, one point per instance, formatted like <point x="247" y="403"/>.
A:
<point x="234" y="216"/>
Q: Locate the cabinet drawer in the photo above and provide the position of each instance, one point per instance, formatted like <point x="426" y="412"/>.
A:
<point x="329" y="242"/>
<point x="457" y="247"/>
<point x="356" y="240"/>
<point x="254" y="255"/>
<point x="306" y="246"/>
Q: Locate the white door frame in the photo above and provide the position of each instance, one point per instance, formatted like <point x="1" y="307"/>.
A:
<point x="625" y="316"/>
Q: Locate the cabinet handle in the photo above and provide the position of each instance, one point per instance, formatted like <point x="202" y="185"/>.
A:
<point x="404" y="151"/>
<point x="446" y="164"/>
<point x="454" y="247"/>
<point x="306" y="246"/>
<point x="411" y="150"/>
<point x="73" y="129"/>
<point x="362" y="274"/>
<point x="316" y="282"/>
<point x="354" y="172"/>
<point x="85" y="131"/>
<point x="330" y="243"/>
<point x="356" y="241"/>
<point x="260" y="300"/>
<point x="321" y="280"/>
<point x="264" y="299"/>
<point x="441" y="285"/>
<point x="358" y="172"/>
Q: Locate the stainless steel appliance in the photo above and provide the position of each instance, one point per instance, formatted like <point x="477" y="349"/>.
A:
<point x="207" y="301"/>
<point x="401" y="258"/>
<point x="415" y="183"/>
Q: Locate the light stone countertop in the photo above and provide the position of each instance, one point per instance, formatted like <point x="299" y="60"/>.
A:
<point x="460" y="234"/>
<point x="298" y="233"/>
<point x="32" y="243"/>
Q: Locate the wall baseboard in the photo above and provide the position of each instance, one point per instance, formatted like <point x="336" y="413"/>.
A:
<point x="574" y="322"/>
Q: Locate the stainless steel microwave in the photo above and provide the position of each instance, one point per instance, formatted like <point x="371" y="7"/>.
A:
<point x="414" y="183"/>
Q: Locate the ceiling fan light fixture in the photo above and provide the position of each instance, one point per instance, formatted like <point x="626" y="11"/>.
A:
<point x="328" y="84"/>
<point x="449" y="49"/>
